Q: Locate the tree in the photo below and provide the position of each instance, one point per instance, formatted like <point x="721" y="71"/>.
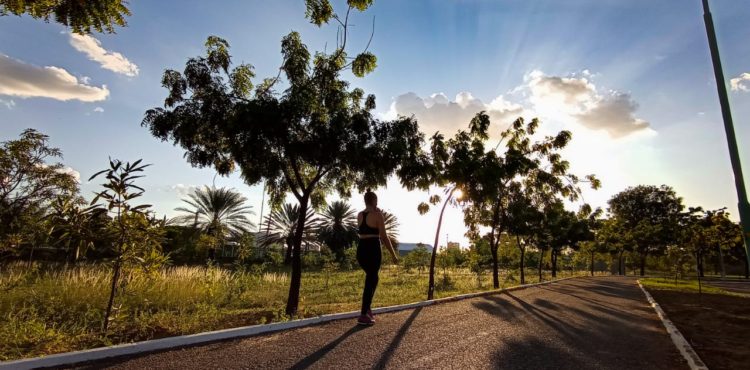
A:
<point x="615" y="240"/>
<point x="338" y="228"/>
<point x="418" y="258"/>
<point x="220" y="213"/>
<point x="76" y="225"/>
<point x="650" y="215"/>
<point x="723" y="234"/>
<point x="314" y="138"/>
<point x="391" y="227"/>
<point x="136" y="235"/>
<point x="81" y="17"/>
<point x="493" y="179"/>
<point x="280" y="226"/>
<point x="479" y="258"/>
<point x="27" y="184"/>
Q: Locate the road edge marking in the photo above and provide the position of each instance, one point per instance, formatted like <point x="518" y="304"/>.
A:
<point x="127" y="349"/>
<point x="687" y="351"/>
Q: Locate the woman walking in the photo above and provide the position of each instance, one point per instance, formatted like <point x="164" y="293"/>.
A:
<point x="371" y="232"/>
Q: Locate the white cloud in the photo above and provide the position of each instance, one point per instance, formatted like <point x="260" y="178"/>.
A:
<point x="98" y="109"/>
<point x="578" y="100"/>
<point x="26" y="81"/>
<point x="10" y="104"/>
<point x="741" y="82"/>
<point x="573" y="100"/>
<point x="438" y="113"/>
<point x="183" y="190"/>
<point x="70" y="171"/>
<point x="110" y="60"/>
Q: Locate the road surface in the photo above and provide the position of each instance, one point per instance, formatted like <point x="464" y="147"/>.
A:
<point x="583" y="323"/>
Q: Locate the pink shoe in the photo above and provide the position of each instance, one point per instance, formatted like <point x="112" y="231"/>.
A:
<point x="365" y="320"/>
<point x="370" y="315"/>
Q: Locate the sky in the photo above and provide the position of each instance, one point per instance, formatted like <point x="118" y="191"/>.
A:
<point x="631" y="79"/>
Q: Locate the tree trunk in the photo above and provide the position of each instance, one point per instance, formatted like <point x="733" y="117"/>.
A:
<point x="112" y="292"/>
<point x="523" y="251"/>
<point x="747" y="267"/>
<point x="495" y="277"/>
<point x="31" y="256"/>
<point x="288" y="255"/>
<point x="292" y="302"/>
<point x="431" y="284"/>
<point x="541" y="259"/>
<point x="643" y="264"/>
<point x="699" y="258"/>
<point x="553" y="258"/>
<point x="592" y="262"/>
<point x="619" y="262"/>
<point x="721" y="262"/>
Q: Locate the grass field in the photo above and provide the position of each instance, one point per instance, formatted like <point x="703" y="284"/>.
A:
<point x="45" y="311"/>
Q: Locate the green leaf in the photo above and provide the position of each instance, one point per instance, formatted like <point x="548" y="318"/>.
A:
<point x="360" y="5"/>
<point x="364" y="63"/>
<point x="240" y="80"/>
<point x="217" y="50"/>
<point x="318" y="11"/>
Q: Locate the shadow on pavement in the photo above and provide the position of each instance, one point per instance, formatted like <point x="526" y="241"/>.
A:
<point x="531" y="353"/>
<point x="317" y="355"/>
<point x="388" y="353"/>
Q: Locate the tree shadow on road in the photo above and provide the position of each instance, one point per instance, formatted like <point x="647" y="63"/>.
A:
<point x="317" y="355"/>
<point x="388" y="353"/>
<point x="532" y="353"/>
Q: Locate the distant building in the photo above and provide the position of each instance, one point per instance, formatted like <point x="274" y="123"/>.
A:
<point x="405" y="248"/>
<point x="453" y="245"/>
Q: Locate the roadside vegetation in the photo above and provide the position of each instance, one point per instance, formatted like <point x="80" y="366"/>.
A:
<point x="52" y="309"/>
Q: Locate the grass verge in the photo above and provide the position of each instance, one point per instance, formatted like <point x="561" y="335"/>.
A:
<point x="52" y="310"/>
<point x="713" y="322"/>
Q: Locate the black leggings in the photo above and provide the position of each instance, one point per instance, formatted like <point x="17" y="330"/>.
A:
<point x="369" y="258"/>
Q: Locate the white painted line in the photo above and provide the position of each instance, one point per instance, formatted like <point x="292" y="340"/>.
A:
<point x="218" y="335"/>
<point x="687" y="351"/>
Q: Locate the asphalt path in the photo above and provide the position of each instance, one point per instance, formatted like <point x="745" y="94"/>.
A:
<point x="582" y="323"/>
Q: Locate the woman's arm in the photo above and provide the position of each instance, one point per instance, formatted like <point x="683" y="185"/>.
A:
<point x="384" y="237"/>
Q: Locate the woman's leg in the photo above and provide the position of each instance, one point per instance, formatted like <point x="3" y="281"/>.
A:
<point x="369" y="258"/>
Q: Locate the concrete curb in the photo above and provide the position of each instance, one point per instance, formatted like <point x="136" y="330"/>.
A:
<point x="687" y="351"/>
<point x="219" y="335"/>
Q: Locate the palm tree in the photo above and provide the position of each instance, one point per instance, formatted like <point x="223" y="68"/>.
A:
<point x="391" y="228"/>
<point x="338" y="228"/>
<point x="279" y="227"/>
<point x="220" y="213"/>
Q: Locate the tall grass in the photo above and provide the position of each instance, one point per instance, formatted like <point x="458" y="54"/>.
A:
<point x="52" y="309"/>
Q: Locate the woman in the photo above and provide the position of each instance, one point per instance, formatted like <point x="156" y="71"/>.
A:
<point x="371" y="233"/>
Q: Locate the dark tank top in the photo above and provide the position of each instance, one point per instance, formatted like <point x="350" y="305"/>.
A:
<point x="365" y="229"/>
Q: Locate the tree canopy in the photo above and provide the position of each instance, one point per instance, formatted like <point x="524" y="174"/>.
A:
<point x="649" y="215"/>
<point x="82" y="17"/>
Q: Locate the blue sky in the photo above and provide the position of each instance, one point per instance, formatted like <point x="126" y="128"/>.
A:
<point x="631" y="79"/>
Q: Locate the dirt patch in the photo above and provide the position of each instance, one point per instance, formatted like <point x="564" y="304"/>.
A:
<point x="716" y="325"/>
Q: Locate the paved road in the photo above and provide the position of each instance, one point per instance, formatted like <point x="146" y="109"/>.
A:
<point x="585" y="323"/>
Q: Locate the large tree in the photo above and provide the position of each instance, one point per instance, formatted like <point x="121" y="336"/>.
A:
<point x="315" y="137"/>
<point x="29" y="181"/>
<point x="81" y="17"/>
<point x="650" y="215"/>
<point x="218" y="212"/>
